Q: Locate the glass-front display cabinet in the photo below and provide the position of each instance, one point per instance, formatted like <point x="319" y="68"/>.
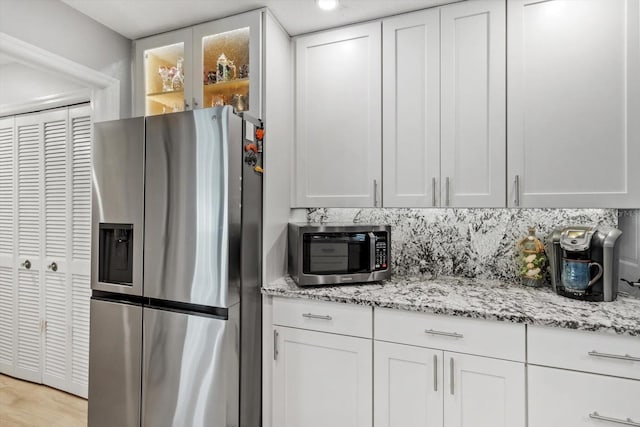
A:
<point x="228" y="62"/>
<point x="216" y="63"/>
<point x="163" y="73"/>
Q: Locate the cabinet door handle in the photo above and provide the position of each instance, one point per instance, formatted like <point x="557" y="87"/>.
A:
<point x="516" y="200"/>
<point x="275" y="345"/>
<point x="433" y="191"/>
<point x="614" y="356"/>
<point x="375" y="193"/>
<point x="447" y="187"/>
<point x="316" y="316"/>
<point x="444" y="334"/>
<point x="627" y="422"/>
<point x="53" y="266"/>
<point x="186" y="105"/>
<point x="195" y="102"/>
<point x="435" y="372"/>
<point x="451" y="376"/>
<point x="26" y="264"/>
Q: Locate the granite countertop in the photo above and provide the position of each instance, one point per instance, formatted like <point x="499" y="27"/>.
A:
<point x="478" y="298"/>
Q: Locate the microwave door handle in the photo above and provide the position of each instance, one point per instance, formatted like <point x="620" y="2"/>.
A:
<point x="372" y="252"/>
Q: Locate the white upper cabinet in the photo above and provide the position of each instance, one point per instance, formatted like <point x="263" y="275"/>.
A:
<point x="574" y="103"/>
<point x="444" y="106"/>
<point x="337" y="160"/>
<point x="473" y="144"/>
<point x="411" y="109"/>
<point x="216" y="63"/>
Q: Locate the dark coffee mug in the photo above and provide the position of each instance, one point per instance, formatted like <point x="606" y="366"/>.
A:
<point x="576" y="274"/>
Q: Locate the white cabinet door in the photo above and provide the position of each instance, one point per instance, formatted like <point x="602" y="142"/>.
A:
<point x="574" y="103"/>
<point x="473" y="97"/>
<point x="150" y="96"/>
<point x="407" y="386"/>
<point x="55" y="224"/>
<point x="483" y="392"/>
<point x="28" y="265"/>
<point x="559" y="398"/>
<point x="7" y="245"/>
<point x="321" y="379"/>
<point x="411" y="109"/>
<point x="337" y="161"/>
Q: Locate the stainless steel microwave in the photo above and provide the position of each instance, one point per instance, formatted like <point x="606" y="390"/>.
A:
<point x="330" y="254"/>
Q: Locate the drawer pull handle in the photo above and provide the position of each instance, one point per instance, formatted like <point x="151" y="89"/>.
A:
<point x="444" y="334"/>
<point x="614" y="356"/>
<point x="316" y="316"/>
<point x="627" y="422"/>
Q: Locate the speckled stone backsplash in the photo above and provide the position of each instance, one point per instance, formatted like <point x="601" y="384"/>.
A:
<point x="474" y="243"/>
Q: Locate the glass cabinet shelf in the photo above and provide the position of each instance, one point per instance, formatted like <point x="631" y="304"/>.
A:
<point x="228" y="92"/>
<point x="165" y="102"/>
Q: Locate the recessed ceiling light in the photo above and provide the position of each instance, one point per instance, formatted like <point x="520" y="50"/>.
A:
<point x="327" y="4"/>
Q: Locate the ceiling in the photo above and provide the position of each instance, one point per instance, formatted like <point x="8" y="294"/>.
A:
<point x="140" y="18"/>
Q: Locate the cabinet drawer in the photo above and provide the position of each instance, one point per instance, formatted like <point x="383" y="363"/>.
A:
<point x="482" y="337"/>
<point x="585" y="351"/>
<point x="337" y="318"/>
<point x="559" y="398"/>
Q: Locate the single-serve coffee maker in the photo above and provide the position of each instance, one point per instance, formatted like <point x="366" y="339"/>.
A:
<point x="583" y="262"/>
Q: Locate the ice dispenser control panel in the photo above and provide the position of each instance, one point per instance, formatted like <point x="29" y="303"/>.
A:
<point x="116" y="254"/>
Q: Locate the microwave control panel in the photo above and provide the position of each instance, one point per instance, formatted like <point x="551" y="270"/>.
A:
<point x="381" y="251"/>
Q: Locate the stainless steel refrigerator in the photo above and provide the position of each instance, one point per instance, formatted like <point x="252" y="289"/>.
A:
<point x="175" y="308"/>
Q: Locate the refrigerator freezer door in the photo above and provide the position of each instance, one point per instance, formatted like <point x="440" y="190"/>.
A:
<point x="117" y="211"/>
<point x="115" y="352"/>
<point x="191" y="248"/>
<point x="189" y="370"/>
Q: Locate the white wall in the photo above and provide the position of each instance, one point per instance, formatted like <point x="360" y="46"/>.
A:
<point x="60" y="29"/>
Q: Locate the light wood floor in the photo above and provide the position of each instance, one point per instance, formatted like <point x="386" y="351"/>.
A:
<point x="24" y="404"/>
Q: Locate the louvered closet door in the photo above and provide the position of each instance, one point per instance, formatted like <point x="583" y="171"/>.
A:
<point x="28" y="304"/>
<point x="80" y="245"/>
<point x="7" y="274"/>
<point x="55" y="289"/>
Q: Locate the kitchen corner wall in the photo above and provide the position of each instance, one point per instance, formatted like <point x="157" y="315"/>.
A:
<point x="463" y="242"/>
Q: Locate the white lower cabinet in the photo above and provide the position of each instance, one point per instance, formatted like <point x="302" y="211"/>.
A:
<point x="561" y="398"/>
<point x="407" y="386"/>
<point x="582" y="378"/>
<point x="483" y="392"/>
<point x="422" y="387"/>
<point x="321" y="379"/>
<point x="344" y="365"/>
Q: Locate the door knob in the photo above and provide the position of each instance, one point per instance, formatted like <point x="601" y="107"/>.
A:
<point x="53" y="266"/>
<point x="26" y="264"/>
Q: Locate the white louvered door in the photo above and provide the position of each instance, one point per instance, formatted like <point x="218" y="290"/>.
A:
<point x="28" y="219"/>
<point x="79" y="246"/>
<point x="7" y="273"/>
<point x="55" y="292"/>
<point x="45" y="221"/>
